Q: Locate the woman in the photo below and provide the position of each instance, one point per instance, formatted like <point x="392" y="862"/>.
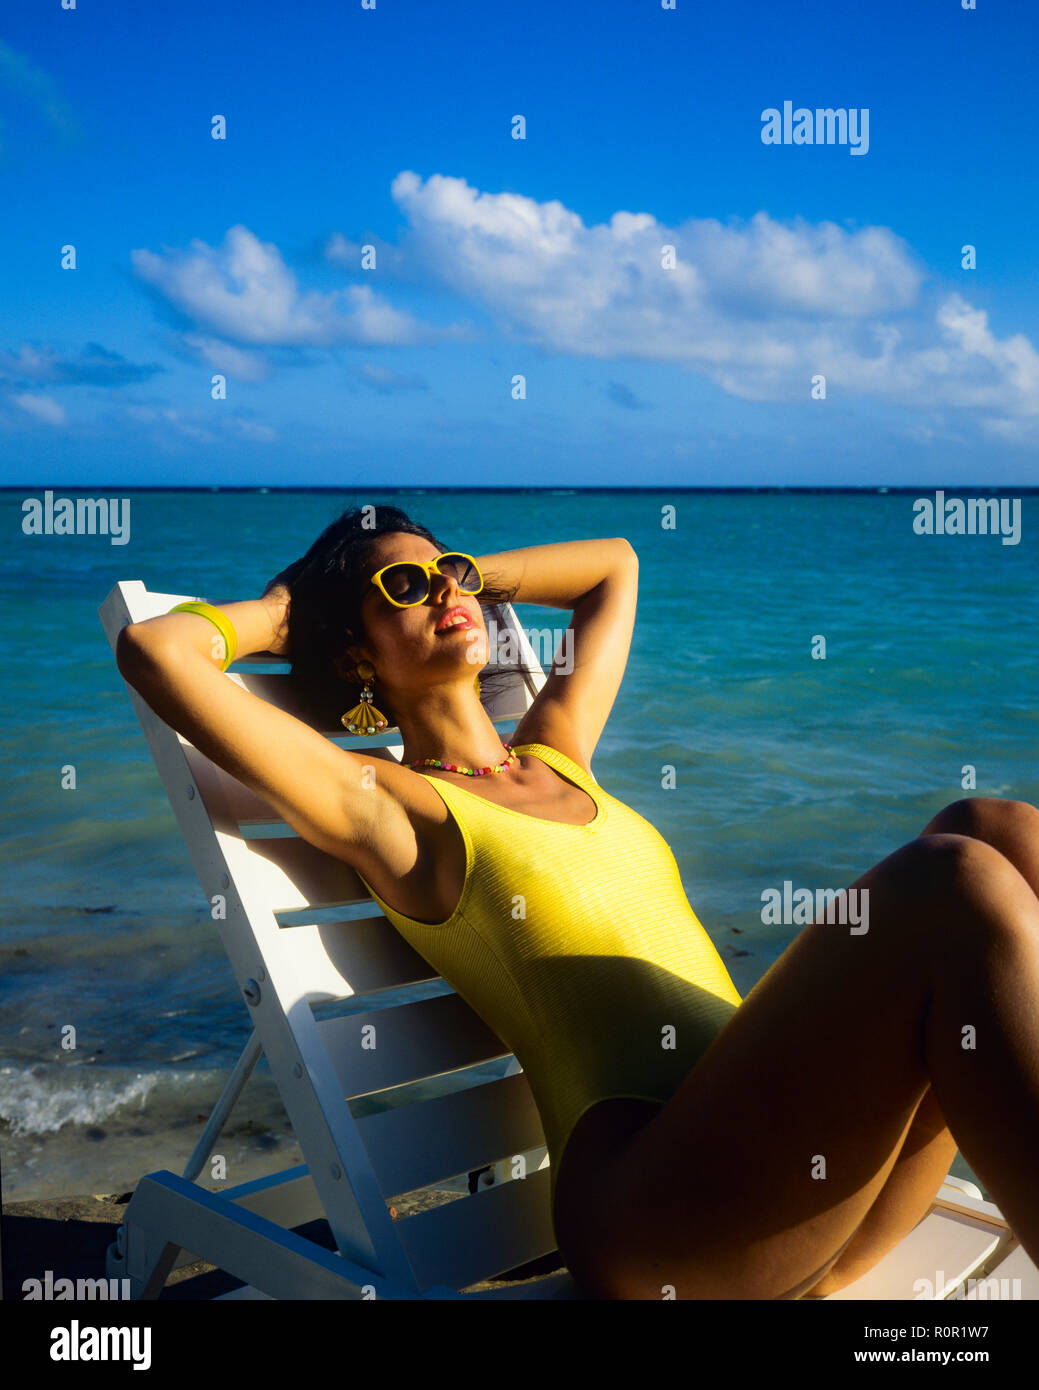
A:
<point x="769" y="1148"/>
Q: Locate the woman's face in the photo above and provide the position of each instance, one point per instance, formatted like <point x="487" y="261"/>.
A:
<point x="403" y="644"/>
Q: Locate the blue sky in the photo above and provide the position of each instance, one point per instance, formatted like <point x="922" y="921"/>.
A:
<point x="498" y="257"/>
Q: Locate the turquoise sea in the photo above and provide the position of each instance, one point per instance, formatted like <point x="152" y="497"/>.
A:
<point x="787" y="767"/>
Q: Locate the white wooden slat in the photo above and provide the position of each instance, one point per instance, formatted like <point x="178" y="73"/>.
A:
<point x="338" y="959"/>
<point x="142" y="603"/>
<point x="946" y="1247"/>
<point x="956" y="1199"/>
<point x="430" y="1141"/>
<point x="244" y="804"/>
<point x="956" y="1188"/>
<point x="288" y="1199"/>
<point x="332" y="959"/>
<point x="259" y="1252"/>
<point x="412" y="1042"/>
<point x="1016" y="1266"/>
<point x="478" y="1236"/>
<point x="286" y="874"/>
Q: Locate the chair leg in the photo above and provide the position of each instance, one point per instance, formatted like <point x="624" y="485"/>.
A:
<point x="146" y="1277"/>
<point x="243" y="1069"/>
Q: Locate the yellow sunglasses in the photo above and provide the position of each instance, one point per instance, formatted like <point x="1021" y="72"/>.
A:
<point x="408" y="582"/>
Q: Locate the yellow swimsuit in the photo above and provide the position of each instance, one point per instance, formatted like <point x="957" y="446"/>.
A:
<point x="577" y="945"/>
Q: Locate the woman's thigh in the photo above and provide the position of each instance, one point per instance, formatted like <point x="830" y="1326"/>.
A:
<point x="753" y="1177"/>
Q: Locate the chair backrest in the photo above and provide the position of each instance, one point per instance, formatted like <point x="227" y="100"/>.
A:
<point x="300" y="931"/>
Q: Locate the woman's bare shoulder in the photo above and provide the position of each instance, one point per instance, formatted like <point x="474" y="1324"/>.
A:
<point x="411" y="852"/>
<point x="400" y="791"/>
<point x="407" y="814"/>
<point x="545" y="725"/>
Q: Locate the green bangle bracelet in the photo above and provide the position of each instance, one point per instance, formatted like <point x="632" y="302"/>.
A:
<point x="220" y="621"/>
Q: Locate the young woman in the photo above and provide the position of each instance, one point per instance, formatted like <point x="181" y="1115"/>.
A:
<point x="769" y="1148"/>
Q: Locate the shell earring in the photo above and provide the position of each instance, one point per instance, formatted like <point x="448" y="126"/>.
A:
<point x="365" y="718"/>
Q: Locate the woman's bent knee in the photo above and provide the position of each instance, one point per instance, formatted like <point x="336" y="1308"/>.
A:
<point x="947" y="890"/>
<point x="974" y="893"/>
<point x="936" y="865"/>
<point x="985" y="818"/>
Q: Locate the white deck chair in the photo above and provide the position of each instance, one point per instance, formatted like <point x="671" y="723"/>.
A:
<point x="354" y="1166"/>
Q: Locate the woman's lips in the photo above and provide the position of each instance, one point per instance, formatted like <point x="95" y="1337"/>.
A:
<point x="454" y="618"/>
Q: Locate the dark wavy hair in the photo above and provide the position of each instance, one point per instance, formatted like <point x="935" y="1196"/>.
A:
<point x="326" y="587"/>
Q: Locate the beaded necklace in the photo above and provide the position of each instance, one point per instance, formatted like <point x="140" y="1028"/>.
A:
<point x="469" y="771"/>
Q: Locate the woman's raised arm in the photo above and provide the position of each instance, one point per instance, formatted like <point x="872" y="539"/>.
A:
<point x="561" y="574"/>
<point x="257" y="623"/>
<point x="174" y="661"/>
<point x="598" y="580"/>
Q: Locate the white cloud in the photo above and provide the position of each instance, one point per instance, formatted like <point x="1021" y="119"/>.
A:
<point x="347" y="254"/>
<point x="758" y="307"/>
<point x="252" y="429"/>
<point x="183" y="425"/>
<point x="28" y="364"/>
<point x="234" y="362"/>
<point x="43" y="408"/>
<point x="1012" y="359"/>
<point x="1013" y="431"/>
<point x="244" y="292"/>
<point x="339" y="251"/>
<point x="384" y="380"/>
<point x="202" y="426"/>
